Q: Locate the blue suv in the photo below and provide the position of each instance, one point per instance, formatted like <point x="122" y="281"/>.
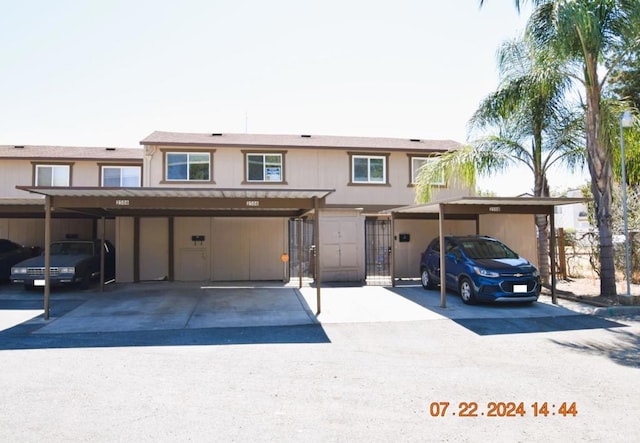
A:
<point x="481" y="269"/>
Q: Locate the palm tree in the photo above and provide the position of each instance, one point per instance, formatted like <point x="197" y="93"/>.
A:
<point x="589" y="35"/>
<point x="527" y="123"/>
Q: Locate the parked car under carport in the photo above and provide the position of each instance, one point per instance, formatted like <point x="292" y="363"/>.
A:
<point x="10" y="254"/>
<point x="480" y="269"/>
<point x="74" y="262"/>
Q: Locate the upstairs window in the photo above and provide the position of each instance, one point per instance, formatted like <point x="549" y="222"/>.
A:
<point x="121" y="176"/>
<point x="264" y="167"/>
<point x="188" y="166"/>
<point x="419" y="162"/>
<point x="52" y="175"/>
<point x="368" y="169"/>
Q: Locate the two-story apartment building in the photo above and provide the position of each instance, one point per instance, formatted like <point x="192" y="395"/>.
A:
<point x="364" y="176"/>
<point x="224" y="207"/>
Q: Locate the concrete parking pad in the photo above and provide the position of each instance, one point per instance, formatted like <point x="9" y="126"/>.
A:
<point x="364" y="304"/>
<point x="172" y="306"/>
<point x="409" y="302"/>
<point x="9" y="319"/>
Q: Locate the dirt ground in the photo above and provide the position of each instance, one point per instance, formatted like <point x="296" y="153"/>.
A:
<point x="588" y="290"/>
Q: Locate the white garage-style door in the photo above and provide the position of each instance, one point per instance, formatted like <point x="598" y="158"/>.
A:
<point x="229" y="248"/>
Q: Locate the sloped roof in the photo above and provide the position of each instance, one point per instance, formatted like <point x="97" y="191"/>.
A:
<point x="298" y="141"/>
<point x="100" y="201"/>
<point x="483" y="205"/>
<point x="70" y="153"/>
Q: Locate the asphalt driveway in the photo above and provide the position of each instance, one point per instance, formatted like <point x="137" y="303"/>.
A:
<point x="371" y="369"/>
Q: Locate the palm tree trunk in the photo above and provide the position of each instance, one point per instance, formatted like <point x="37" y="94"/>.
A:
<point x="543" y="247"/>
<point x="599" y="160"/>
<point x="541" y="189"/>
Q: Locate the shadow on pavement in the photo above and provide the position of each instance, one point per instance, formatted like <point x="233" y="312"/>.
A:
<point x="495" y="326"/>
<point x="494" y="319"/>
<point x="625" y="352"/>
<point x="22" y="337"/>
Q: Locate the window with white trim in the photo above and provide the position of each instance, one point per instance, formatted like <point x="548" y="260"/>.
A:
<point x="121" y="176"/>
<point x="265" y="167"/>
<point x="53" y="175"/>
<point x="368" y="169"/>
<point x="188" y="166"/>
<point x="419" y="162"/>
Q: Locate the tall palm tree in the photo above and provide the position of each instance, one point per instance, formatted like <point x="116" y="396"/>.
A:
<point x="524" y="122"/>
<point x="589" y="35"/>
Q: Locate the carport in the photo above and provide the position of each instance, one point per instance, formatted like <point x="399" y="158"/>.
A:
<point x="101" y="202"/>
<point x="472" y="208"/>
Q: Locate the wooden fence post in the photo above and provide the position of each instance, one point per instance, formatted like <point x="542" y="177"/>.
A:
<point x="562" y="257"/>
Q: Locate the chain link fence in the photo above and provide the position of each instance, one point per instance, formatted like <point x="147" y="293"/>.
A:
<point x="581" y="248"/>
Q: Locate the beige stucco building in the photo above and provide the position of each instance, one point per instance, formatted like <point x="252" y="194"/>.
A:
<point x="359" y="179"/>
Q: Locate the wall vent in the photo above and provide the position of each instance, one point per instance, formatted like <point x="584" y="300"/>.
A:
<point x="415" y="140"/>
<point x="111" y="149"/>
<point x="216" y="134"/>
<point x="18" y="147"/>
<point x="305" y="136"/>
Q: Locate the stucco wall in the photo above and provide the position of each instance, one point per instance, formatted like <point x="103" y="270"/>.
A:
<point x="311" y="169"/>
<point x="124" y="249"/>
<point x="154" y="249"/>
<point x="21" y="173"/>
<point x="30" y="231"/>
<point x="421" y="232"/>
<point x="232" y="248"/>
<point x="517" y="231"/>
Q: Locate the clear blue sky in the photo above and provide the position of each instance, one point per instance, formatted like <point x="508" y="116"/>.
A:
<point x="109" y="72"/>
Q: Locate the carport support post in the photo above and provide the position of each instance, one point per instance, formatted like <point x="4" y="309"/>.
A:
<point x="443" y="284"/>
<point x="102" y="234"/>
<point x="316" y="222"/>
<point x="552" y="246"/>
<point x="300" y="244"/>
<point x="47" y="254"/>
<point x="393" y="251"/>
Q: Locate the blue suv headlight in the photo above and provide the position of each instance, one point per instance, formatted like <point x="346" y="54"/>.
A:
<point x="484" y="273"/>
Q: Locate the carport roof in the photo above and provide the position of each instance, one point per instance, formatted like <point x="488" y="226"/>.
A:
<point x="487" y="205"/>
<point x="101" y="201"/>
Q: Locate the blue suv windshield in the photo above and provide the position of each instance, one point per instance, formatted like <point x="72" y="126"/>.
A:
<point x="486" y="249"/>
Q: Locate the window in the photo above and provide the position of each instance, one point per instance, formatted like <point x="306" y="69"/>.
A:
<point x="419" y="162"/>
<point x="188" y="166"/>
<point x="52" y="175"/>
<point x="121" y="176"/>
<point x="264" y="167"/>
<point x="368" y="169"/>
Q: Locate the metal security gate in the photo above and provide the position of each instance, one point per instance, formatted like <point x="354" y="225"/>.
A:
<point x="378" y="241"/>
<point x="301" y="233"/>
